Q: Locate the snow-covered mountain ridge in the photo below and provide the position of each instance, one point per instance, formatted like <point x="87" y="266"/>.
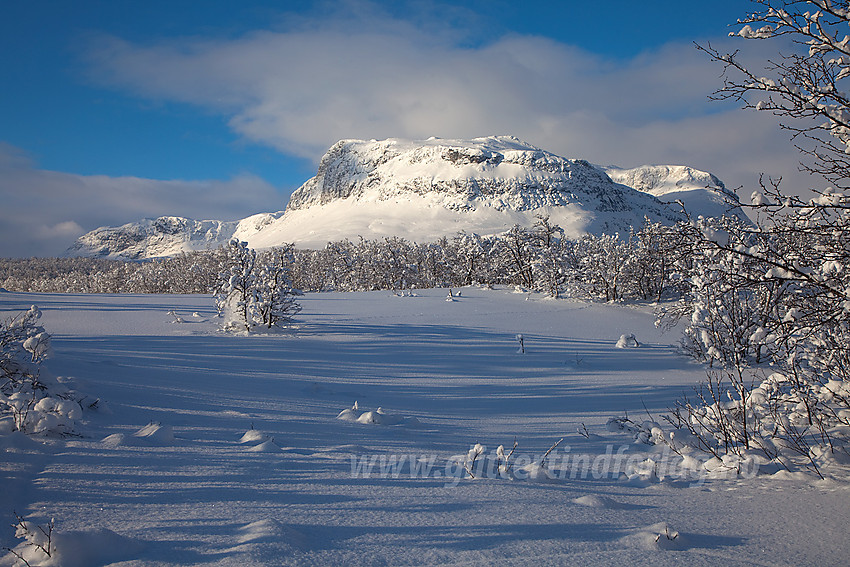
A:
<point x="423" y="190"/>
<point x="164" y="236"/>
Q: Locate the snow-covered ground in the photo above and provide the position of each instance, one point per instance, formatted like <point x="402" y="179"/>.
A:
<point x="219" y="449"/>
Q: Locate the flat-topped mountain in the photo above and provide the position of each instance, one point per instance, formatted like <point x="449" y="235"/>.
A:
<point x="424" y="190"/>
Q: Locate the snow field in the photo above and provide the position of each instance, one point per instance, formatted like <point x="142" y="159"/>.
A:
<point x="226" y="449"/>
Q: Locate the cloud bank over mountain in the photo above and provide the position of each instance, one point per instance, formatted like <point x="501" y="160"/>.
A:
<point x="301" y="88"/>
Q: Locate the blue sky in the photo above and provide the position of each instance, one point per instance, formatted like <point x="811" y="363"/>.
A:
<point x="114" y="111"/>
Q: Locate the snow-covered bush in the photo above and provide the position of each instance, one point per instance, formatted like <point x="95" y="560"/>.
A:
<point x="769" y="300"/>
<point x="777" y="295"/>
<point x="501" y="463"/>
<point x="256" y="292"/>
<point x="31" y="400"/>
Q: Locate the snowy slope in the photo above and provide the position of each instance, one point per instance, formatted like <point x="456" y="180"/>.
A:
<point x="423" y="190"/>
<point x="701" y="193"/>
<point x="246" y="462"/>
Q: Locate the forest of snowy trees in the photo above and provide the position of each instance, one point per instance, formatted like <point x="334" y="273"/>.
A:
<point x="650" y="264"/>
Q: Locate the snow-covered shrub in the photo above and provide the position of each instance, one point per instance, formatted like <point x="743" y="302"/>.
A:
<point x="773" y="296"/>
<point x="647" y="432"/>
<point x="499" y="463"/>
<point x="783" y="419"/>
<point x="31" y="400"/>
<point x="377" y="417"/>
<point x="39" y="544"/>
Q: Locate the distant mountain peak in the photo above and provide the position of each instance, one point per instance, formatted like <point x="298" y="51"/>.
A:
<point x="423" y="190"/>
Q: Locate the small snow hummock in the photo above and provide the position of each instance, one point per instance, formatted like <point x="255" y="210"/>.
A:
<point x="627" y="341"/>
<point x="44" y="546"/>
<point x="254" y="436"/>
<point x="152" y="434"/>
<point x="377" y="417"/>
<point x="535" y="472"/>
<point x="267" y="446"/>
<point x="259" y="442"/>
<point x="597" y="501"/>
<point x="269" y="530"/>
<point x="657" y="536"/>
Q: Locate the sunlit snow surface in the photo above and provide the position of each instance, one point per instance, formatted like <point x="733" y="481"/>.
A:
<point x="227" y="450"/>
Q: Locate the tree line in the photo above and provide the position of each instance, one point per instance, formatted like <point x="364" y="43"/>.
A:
<point x="648" y="264"/>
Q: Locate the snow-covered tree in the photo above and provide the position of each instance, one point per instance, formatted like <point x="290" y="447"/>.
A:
<point x="553" y="260"/>
<point x="256" y="292"/>
<point x="235" y="296"/>
<point x="602" y="265"/>
<point x="660" y="261"/>
<point x="468" y="255"/>
<point x="274" y="294"/>
<point x="787" y="277"/>
<point x="517" y="256"/>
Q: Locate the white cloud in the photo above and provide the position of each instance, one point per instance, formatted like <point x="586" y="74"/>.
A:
<point x="44" y="211"/>
<point x="301" y="89"/>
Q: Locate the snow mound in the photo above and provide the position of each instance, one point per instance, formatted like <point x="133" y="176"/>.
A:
<point x="270" y="530"/>
<point x="153" y="434"/>
<point x="253" y="436"/>
<point x="377" y="417"/>
<point x="627" y="341"/>
<point x="156" y="433"/>
<point x="18" y="442"/>
<point x="597" y="501"/>
<point x="89" y="548"/>
<point x="534" y="472"/>
<point x="657" y="536"/>
<point x="267" y="446"/>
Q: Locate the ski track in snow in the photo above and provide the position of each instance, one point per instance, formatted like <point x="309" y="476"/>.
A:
<point x="226" y="450"/>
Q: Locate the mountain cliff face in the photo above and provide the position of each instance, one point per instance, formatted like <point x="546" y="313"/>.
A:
<point x="423" y="190"/>
<point x="502" y="172"/>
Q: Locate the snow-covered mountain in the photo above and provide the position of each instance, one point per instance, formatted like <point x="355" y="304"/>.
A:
<point x="423" y="190"/>
<point x="700" y="192"/>
<point x="164" y="236"/>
